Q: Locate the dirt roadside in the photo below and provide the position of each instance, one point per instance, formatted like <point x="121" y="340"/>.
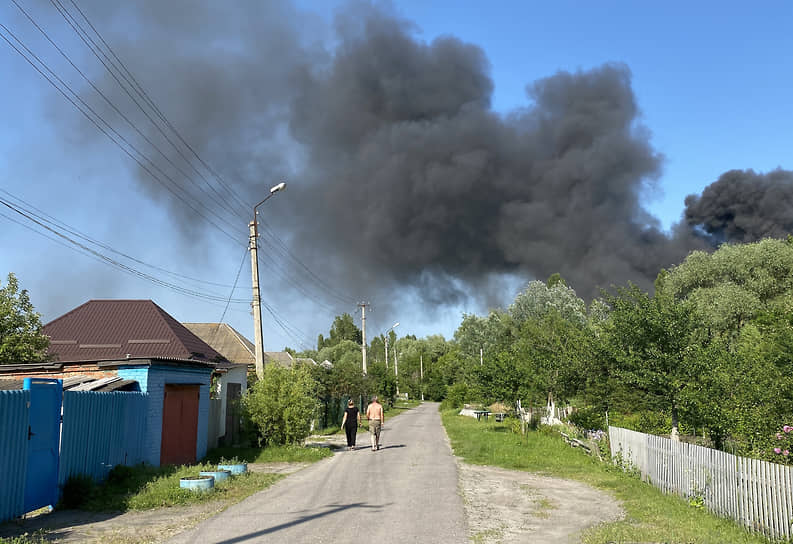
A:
<point x="508" y="506"/>
<point x="150" y="526"/>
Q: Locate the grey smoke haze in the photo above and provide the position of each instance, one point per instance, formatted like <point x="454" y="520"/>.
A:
<point x="744" y="206"/>
<point x="400" y="172"/>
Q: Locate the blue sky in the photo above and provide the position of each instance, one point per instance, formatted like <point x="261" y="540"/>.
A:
<point x="713" y="80"/>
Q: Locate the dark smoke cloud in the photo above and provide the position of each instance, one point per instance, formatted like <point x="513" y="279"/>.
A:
<point x="400" y="172"/>
<point x="744" y="206"/>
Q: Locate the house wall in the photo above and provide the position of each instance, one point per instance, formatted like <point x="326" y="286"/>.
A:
<point x="234" y="375"/>
<point x="152" y="380"/>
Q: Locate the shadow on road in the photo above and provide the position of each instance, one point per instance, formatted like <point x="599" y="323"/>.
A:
<point x="334" y="508"/>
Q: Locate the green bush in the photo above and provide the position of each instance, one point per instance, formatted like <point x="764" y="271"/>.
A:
<point x="76" y="491"/>
<point x="588" y="419"/>
<point x="281" y="405"/>
<point x="456" y="395"/>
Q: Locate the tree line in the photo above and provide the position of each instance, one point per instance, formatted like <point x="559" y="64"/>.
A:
<point x="707" y="354"/>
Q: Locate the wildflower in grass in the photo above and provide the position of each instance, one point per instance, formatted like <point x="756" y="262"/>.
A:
<point x="787" y="428"/>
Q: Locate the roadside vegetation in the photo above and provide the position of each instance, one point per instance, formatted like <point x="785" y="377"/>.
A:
<point x="651" y="516"/>
<point x="144" y="487"/>
<point x="37" y="538"/>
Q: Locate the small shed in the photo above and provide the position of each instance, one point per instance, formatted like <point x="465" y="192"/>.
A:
<point x="178" y="410"/>
<point x="138" y="341"/>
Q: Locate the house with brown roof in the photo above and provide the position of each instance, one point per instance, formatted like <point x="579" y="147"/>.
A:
<point x="137" y="340"/>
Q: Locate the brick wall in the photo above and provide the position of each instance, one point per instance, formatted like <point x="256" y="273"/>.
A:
<point x="66" y="372"/>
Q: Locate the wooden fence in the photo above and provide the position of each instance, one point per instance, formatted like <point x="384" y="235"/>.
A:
<point x="756" y="494"/>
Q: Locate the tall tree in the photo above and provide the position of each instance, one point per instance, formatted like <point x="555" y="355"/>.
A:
<point x="735" y="283"/>
<point x="655" y="347"/>
<point x="21" y="339"/>
<point x="344" y="328"/>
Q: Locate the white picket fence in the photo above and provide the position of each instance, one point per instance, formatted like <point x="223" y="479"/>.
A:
<point x="756" y="494"/>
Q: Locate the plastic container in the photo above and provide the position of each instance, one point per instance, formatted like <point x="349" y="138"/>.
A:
<point x="200" y="483"/>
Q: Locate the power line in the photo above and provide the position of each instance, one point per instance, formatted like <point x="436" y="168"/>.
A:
<point x="117" y="264"/>
<point x="95" y="122"/>
<point x="127" y="75"/>
<point x="38" y="213"/>
<point x="235" y="286"/>
<point x="113" y="105"/>
<point x="139" y="90"/>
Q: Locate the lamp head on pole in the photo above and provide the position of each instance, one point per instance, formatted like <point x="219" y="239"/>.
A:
<point x="280" y="187"/>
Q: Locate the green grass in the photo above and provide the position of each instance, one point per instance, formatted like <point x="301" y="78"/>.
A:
<point x="291" y="453"/>
<point x="36" y="538"/>
<point x="651" y="516"/>
<point x="144" y="487"/>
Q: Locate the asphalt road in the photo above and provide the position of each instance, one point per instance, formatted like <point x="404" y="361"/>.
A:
<point x="406" y="492"/>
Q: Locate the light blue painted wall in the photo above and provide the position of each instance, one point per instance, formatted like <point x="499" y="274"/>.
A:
<point x="152" y="380"/>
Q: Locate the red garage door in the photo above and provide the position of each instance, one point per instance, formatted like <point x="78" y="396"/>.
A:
<point x="179" y="424"/>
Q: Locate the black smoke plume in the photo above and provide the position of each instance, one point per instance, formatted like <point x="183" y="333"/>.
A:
<point x="744" y="206"/>
<point x="400" y="172"/>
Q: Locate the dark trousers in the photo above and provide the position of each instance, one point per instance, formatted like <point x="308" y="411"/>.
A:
<point x="351" y="431"/>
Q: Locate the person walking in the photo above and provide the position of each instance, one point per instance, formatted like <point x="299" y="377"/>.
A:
<point x="351" y="421"/>
<point x="374" y="413"/>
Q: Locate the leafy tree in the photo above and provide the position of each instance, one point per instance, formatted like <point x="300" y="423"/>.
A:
<point x="538" y="299"/>
<point x="654" y="347"/>
<point x="282" y="404"/>
<point x="21" y="339"/>
<point x="735" y="283"/>
<point x="344" y="328"/>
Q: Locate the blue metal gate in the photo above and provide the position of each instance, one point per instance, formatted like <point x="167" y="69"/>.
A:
<point x="41" y="483"/>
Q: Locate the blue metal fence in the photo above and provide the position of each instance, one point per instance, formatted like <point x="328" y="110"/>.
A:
<point x="100" y="431"/>
<point x="14" y="407"/>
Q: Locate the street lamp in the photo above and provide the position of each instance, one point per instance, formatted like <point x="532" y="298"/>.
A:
<point x="257" y="298"/>
<point x="392" y="327"/>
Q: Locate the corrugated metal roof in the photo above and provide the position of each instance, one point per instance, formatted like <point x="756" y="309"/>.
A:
<point x="117" y="329"/>
<point x="283" y="358"/>
<point x="225" y="340"/>
<point x="82" y="383"/>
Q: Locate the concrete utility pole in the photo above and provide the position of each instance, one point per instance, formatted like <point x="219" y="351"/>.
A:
<point x="256" y="305"/>
<point x="396" y="370"/>
<point x="481" y="359"/>
<point x="363" y="306"/>
<point x="421" y="362"/>
<point x="385" y="334"/>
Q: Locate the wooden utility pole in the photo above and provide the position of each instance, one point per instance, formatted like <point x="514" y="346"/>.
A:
<point x="363" y="306"/>
<point x="256" y="305"/>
